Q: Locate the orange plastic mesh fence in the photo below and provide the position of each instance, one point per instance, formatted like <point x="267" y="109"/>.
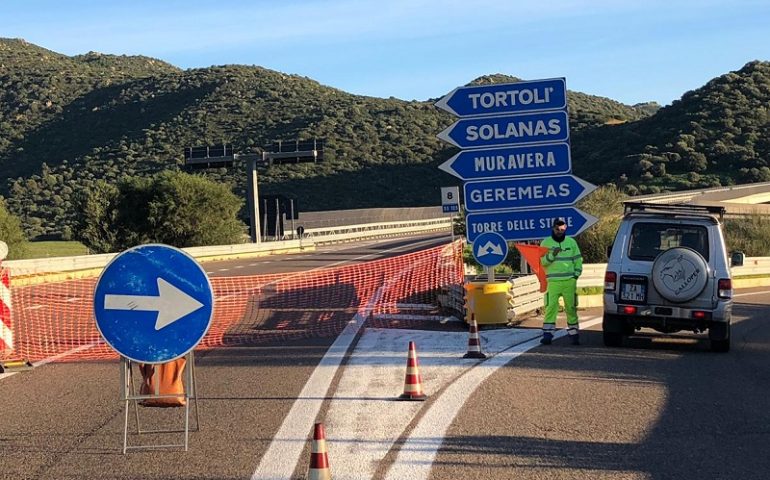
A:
<point x="55" y="320"/>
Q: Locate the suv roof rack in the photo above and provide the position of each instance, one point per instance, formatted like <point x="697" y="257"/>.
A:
<point x="680" y="208"/>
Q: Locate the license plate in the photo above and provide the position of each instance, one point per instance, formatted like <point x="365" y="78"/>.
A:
<point x="633" y="292"/>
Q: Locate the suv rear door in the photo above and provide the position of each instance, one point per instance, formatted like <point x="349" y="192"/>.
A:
<point x="648" y="238"/>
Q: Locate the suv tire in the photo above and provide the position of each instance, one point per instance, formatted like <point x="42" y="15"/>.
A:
<point x="613" y="327"/>
<point x="722" y="343"/>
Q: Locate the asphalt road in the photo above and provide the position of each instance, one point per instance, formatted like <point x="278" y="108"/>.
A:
<point x="326" y="256"/>
<point x="658" y="408"/>
<point x="662" y="407"/>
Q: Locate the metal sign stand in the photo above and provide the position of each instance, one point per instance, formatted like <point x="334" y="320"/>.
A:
<point x="129" y="394"/>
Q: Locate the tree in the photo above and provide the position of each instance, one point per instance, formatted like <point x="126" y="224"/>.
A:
<point x="11" y="233"/>
<point x="174" y="208"/>
<point x="605" y="203"/>
<point x="97" y="210"/>
<point x="189" y="210"/>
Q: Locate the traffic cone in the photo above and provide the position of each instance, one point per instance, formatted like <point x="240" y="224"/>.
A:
<point x="474" y="342"/>
<point x="319" y="459"/>
<point x="412" y="382"/>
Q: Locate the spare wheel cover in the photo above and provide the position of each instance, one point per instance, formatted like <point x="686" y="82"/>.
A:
<point x="680" y="274"/>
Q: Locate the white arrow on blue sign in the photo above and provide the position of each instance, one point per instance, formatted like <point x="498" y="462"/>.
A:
<point x="525" y="193"/>
<point x="153" y="303"/>
<point x="510" y="162"/>
<point x="490" y="249"/>
<point x="527" y="225"/>
<point x="538" y="95"/>
<point x="541" y="127"/>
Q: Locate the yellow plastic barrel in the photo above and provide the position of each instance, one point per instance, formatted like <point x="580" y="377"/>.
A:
<point x="487" y="301"/>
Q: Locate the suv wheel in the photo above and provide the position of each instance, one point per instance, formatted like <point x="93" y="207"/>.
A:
<point x="720" y="338"/>
<point x="613" y="328"/>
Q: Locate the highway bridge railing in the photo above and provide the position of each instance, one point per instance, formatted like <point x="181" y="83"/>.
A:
<point x="346" y="233"/>
<point x="41" y="270"/>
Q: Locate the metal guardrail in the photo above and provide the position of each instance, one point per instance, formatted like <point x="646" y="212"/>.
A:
<point x="315" y="236"/>
<point x="372" y="230"/>
<point x="41" y="270"/>
<point x="593" y="273"/>
<point x="673" y="197"/>
<point x="527" y="297"/>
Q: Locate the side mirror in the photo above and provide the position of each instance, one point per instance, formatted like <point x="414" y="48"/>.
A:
<point x="609" y="251"/>
<point x="737" y="259"/>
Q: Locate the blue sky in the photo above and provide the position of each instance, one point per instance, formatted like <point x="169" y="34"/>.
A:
<point x="628" y="50"/>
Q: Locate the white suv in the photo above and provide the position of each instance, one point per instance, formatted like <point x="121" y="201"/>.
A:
<point x="668" y="270"/>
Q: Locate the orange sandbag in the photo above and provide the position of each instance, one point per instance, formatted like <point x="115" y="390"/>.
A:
<point x="532" y="254"/>
<point x="170" y="375"/>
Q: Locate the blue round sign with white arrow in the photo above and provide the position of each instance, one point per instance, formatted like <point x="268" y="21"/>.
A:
<point x="490" y="249"/>
<point x="153" y="303"/>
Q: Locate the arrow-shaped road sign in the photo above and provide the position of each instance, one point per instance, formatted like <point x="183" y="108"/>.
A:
<point x="541" y="127"/>
<point x="171" y="303"/>
<point x="489" y="248"/>
<point x="526" y="225"/>
<point x="153" y="303"/>
<point x="509" y="162"/>
<point x="525" y="193"/>
<point x="538" y="95"/>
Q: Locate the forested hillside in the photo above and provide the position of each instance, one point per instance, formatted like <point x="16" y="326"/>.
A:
<point x="68" y="121"/>
<point x="716" y="135"/>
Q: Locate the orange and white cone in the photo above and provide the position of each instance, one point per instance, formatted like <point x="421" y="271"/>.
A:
<point x="412" y="382"/>
<point x="474" y="341"/>
<point x="319" y="458"/>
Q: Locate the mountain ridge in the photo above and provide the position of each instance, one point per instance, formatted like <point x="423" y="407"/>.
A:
<point x="66" y="122"/>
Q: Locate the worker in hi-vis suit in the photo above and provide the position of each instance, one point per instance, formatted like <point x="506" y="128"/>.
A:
<point x="563" y="265"/>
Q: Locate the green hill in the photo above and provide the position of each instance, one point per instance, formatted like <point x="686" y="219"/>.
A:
<point x="67" y="121"/>
<point x="716" y="135"/>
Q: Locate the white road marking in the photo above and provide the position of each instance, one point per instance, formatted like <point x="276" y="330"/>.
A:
<point x="282" y="455"/>
<point x="363" y="421"/>
<point x="416" y="455"/>
<point x="341" y="262"/>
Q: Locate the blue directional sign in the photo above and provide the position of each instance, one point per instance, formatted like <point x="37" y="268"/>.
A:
<point x="490" y="249"/>
<point x="525" y="193"/>
<point x="510" y="162"/>
<point x="501" y="98"/>
<point x="526" y="225"/>
<point x="153" y="303"/>
<point x="541" y="127"/>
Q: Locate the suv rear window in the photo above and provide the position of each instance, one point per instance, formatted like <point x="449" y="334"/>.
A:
<point x="650" y="239"/>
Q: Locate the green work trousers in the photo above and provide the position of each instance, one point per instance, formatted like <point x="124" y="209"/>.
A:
<point x="561" y="288"/>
